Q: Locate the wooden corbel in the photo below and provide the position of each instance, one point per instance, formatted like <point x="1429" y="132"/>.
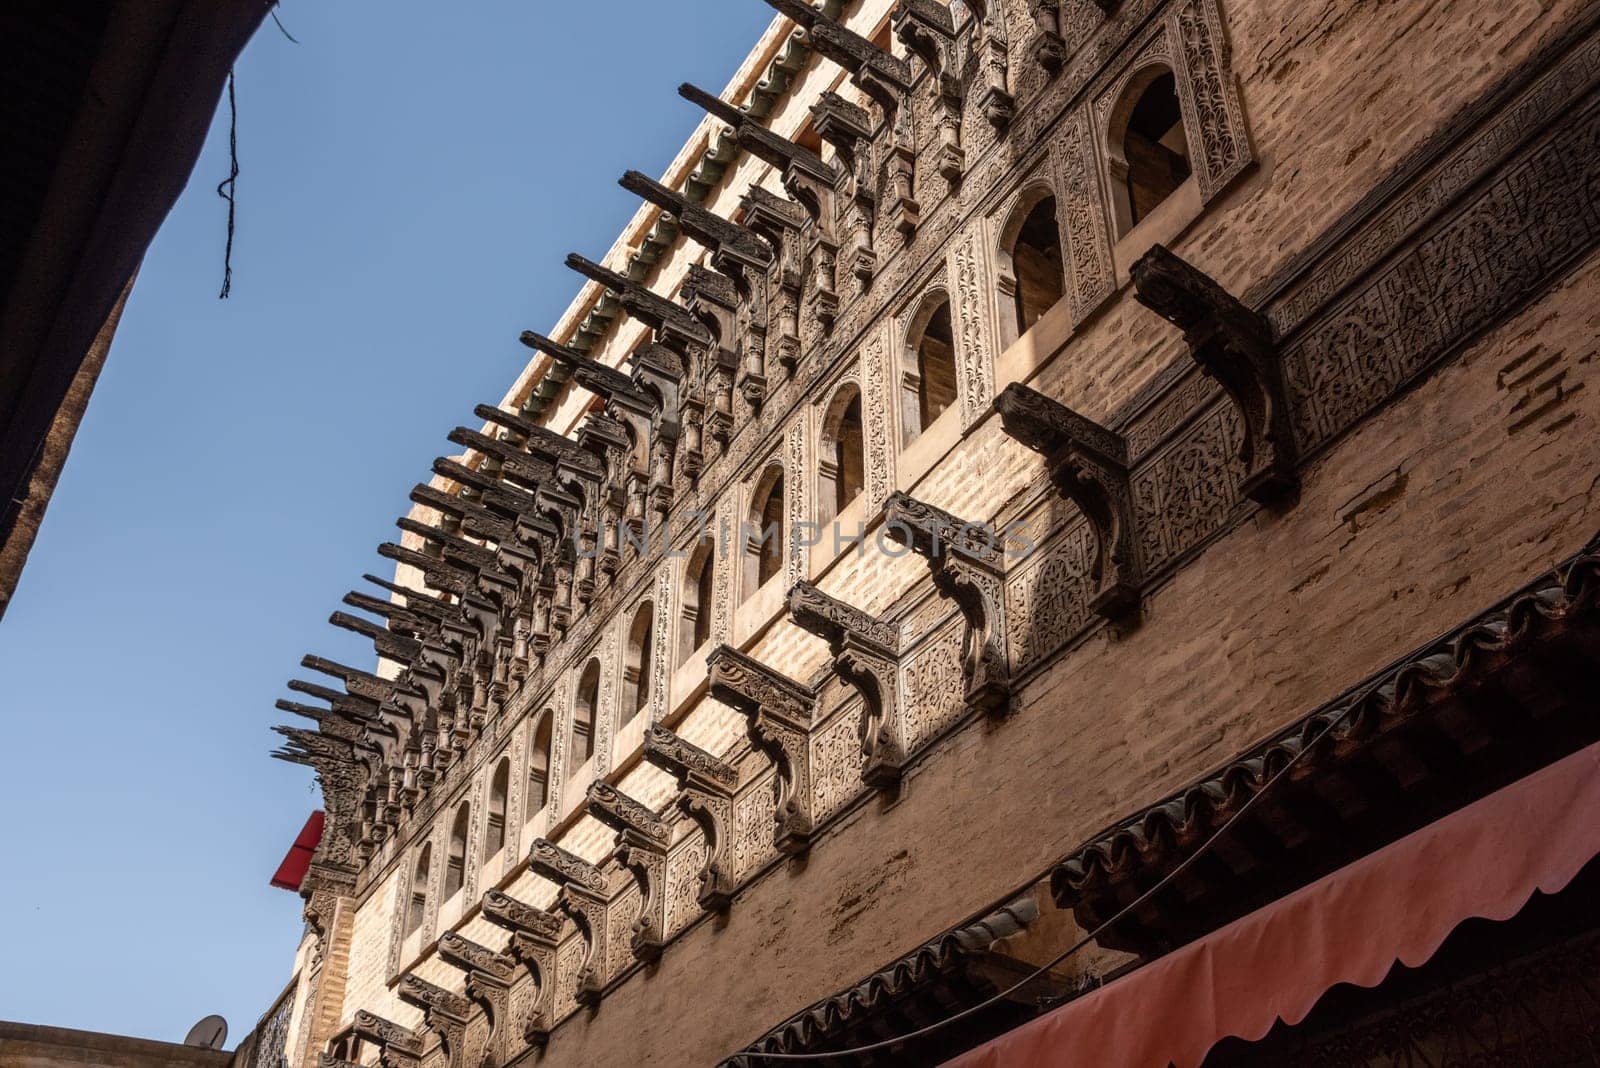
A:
<point x="1088" y="465"/>
<point x="866" y="654"/>
<point x="779" y="714"/>
<point x="444" y="1013"/>
<point x="642" y="841"/>
<point x="706" y="786"/>
<point x="489" y="978"/>
<point x="1235" y="346"/>
<point x="968" y="566"/>
<point x="535" y="937"/>
<point x="584" y="898"/>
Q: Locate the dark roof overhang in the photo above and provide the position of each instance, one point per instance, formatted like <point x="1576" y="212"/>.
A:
<point x="1507" y="693"/>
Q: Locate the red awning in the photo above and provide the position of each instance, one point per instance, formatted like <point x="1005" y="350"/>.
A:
<point x="1396" y="904"/>
<point x="292" y="872"/>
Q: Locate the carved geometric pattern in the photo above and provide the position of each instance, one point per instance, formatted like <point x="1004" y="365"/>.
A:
<point x="514" y="794"/>
<point x="754" y="814"/>
<point x="605" y="716"/>
<point x="837" y="760"/>
<point x="796" y="487"/>
<point x="475" y="838"/>
<point x="1521" y="228"/>
<point x="1189" y="488"/>
<point x="660" y="656"/>
<point x="880" y="419"/>
<point x="933" y="682"/>
<point x="1209" y="94"/>
<point x="561" y="715"/>
<point x="569" y="960"/>
<point x="971" y="305"/>
<point x="1047" y="597"/>
<point x="397" y="913"/>
<point x="683" y="882"/>
<point x="624" y="909"/>
<point x="1081" y="208"/>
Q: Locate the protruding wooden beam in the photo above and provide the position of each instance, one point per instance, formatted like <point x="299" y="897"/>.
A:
<point x="866" y="654"/>
<point x="968" y="566"/>
<point x="706" y="786"/>
<point x="779" y="712"/>
<point x="642" y="841"/>
<point x="1235" y="346"/>
<point x="1088" y="465"/>
<point x="735" y="249"/>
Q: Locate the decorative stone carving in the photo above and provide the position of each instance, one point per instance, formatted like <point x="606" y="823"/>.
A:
<point x="779" y="712"/>
<point x="880" y="418"/>
<point x="1209" y="94"/>
<point x="968" y="566"/>
<point x="1088" y="465"/>
<point x="972" y="325"/>
<point x="1235" y="346"/>
<point x="584" y="898"/>
<point x="535" y="938"/>
<point x="706" y="787"/>
<point x="642" y="841"/>
<point x="398" y="1047"/>
<point x="444" y="1013"/>
<point x="1081" y="209"/>
<point x="489" y="977"/>
<point x="866" y="655"/>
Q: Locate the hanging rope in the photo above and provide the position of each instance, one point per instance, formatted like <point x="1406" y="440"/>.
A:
<point x="225" y="187"/>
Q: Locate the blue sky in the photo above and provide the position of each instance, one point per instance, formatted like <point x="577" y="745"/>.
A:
<point x="411" y="177"/>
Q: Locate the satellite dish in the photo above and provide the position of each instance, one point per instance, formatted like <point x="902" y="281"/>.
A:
<point x="209" y="1033"/>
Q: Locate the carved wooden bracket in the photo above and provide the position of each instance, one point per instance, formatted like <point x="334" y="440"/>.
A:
<point x="866" y="654"/>
<point x="642" y="841"/>
<point x="968" y="565"/>
<point x="1235" y="346"/>
<point x="1089" y="466"/>
<point x="584" y="898"/>
<point x="444" y="1013"/>
<point x="706" y="787"/>
<point x="780" y="713"/>
<point x="928" y="29"/>
<point x="489" y="978"/>
<point x="535" y="936"/>
<point x="398" y="1047"/>
<point x="780" y="220"/>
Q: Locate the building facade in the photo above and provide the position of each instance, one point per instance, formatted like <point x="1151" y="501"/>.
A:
<point x="1030" y="473"/>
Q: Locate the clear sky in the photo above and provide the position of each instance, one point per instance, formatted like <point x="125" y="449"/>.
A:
<point x="411" y="177"/>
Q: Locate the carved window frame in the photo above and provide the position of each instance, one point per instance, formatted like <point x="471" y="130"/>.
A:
<point x="830" y="414"/>
<point x="913" y="326"/>
<point x="636" y="669"/>
<point x="1190" y="40"/>
<point x="546" y="718"/>
<point x="758" y="492"/>
<point x="1008" y="227"/>
<point x="700" y="558"/>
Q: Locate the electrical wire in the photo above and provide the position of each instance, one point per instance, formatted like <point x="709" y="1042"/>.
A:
<point x="758" y="1056"/>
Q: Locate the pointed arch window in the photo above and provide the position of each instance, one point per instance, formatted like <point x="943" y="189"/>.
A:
<point x="455" y="870"/>
<point x="699" y="580"/>
<point x="1033" y="269"/>
<point x="843" y="467"/>
<point x="931" y="374"/>
<point x="637" y="664"/>
<point x="417" y="907"/>
<point x="1149" y="155"/>
<point x="539" y="766"/>
<point x="583" y="714"/>
<point x="763" y="534"/>
<point x="494" y="833"/>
